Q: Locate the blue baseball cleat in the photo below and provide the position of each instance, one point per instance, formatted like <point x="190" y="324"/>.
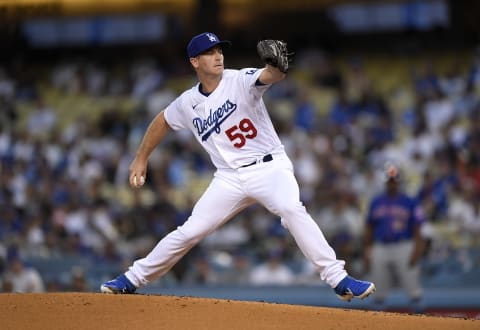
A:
<point x="349" y="288"/>
<point x="120" y="285"/>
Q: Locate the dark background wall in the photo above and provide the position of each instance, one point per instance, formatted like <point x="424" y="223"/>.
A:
<point x="303" y="24"/>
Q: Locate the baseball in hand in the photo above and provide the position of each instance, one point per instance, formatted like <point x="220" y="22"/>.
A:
<point x="140" y="182"/>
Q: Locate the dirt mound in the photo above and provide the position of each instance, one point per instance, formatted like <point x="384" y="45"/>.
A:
<point x="99" y="311"/>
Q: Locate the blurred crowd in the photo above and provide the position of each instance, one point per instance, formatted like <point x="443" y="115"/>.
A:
<point x="64" y="190"/>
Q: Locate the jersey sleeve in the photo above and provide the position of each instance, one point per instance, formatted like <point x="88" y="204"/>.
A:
<point x="249" y="78"/>
<point x="174" y="114"/>
<point x="370" y="219"/>
<point x="417" y="213"/>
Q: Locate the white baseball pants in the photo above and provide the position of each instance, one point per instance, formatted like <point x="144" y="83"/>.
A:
<point x="273" y="185"/>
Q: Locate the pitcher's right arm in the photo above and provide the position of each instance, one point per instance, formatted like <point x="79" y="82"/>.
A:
<point x="156" y="131"/>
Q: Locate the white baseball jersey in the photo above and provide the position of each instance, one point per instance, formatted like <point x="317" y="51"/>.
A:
<point x="231" y="123"/>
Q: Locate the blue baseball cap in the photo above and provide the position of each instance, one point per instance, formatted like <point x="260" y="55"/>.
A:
<point x="203" y="42"/>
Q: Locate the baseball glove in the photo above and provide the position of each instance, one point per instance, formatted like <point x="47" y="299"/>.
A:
<point x="275" y="53"/>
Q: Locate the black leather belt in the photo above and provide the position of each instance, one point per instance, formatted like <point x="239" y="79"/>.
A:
<point x="266" y="158"/>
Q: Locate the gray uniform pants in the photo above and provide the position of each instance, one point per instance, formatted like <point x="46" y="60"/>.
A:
<point x="390" y="267"/>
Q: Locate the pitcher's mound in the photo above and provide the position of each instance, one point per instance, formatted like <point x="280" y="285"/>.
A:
<point x="100" y="311"/>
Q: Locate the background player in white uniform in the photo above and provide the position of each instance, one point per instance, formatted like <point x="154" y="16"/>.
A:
<point x="228" y="117"/>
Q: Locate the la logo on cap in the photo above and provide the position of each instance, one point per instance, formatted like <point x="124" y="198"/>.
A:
<point x="211" y="37"/>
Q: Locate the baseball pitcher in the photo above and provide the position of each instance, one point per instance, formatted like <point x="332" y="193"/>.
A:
<point x="226" y="114"/>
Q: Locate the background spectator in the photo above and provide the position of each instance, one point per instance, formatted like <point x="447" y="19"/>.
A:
<point x="21" y="278"/>
<point x="272" y="271"/>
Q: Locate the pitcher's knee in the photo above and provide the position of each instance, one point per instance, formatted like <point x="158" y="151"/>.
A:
<point x="291" y="210"/>
<point x="190" y="236"/>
